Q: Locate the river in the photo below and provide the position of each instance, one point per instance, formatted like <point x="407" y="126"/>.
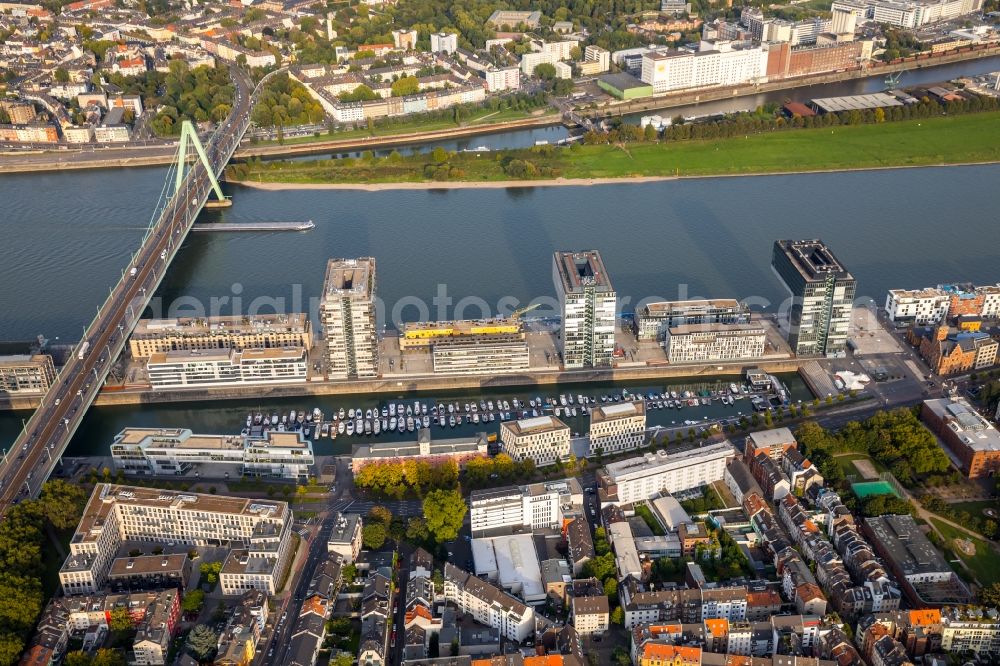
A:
<point x="68" y="236"/>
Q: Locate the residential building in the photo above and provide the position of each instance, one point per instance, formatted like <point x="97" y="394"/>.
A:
<point x="822" y="292"/>
<point x="587" y="304"/>
<point x="273" y="331"/>
<point x="617" y="427"/>
<point x="258" y="531"/>
<point x="167" y="451"/>
<point x="653" y="320"/>
<point x="345" y="537"/>
<point x="590" y="614"/>
<point x="197" y="369"/>
<point x="692" y="535"/>
<point x="23" y="373"/>
<point x="644" y="477"/>
<point x="444" y="42"/>
<point x="149" y="572"/>
<point x="708" y="343"/>
<point x="579" y="545"/>
<point x="488" y="605"/>
<point x="721" y="63"/>
<point x="427" y="449"/>
<point x="512" y="19"/>
<point x="919" y="307"/>
<point x="969" y="634"/>
<point x="544" y="439"/>
<point x="596" y="59"/>
<point x="504" y="78"/>
<point x="949" y="352"/>
<point x="405" y="40"/>
<point x="532" y="59"/>
<point x="970" y="436"/>
<point x="241" y="635"/>
<point x="347" y="311"/>
<point x="31" y="133"/>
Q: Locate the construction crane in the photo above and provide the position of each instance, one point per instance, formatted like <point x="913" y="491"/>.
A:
<point x="520" y="311"/>
<point x="892" y="79"/>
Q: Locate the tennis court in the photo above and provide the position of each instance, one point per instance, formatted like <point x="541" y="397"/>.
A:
<point x="869" y="488"/>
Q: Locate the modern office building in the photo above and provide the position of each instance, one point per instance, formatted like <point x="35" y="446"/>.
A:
<point x="348" y="314"/>
<point x="709" y="343"/>
<point x="822" y="293"/>
<point x="166" y="451"/>
<point x="587" y="304"/>
<point x="227" y="367"/>
<point x="646" y="476"/>
<point x="544" y="439"/>
<point x="617" y="427"/>
<point x="488" y="604"/>
<point x="257" y="531"/>
<point x="270" y="331"/>
<point x="537" y="506"/>
<point x="480" y="357"/>
<point x="23" y="373"/>
<point x="345" y="537"/>
<point x="653" y="320"/>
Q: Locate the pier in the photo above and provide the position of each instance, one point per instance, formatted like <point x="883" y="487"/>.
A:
<point x="254" y="226"/>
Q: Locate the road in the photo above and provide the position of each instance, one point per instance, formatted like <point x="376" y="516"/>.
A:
<point x="47" y="433"/>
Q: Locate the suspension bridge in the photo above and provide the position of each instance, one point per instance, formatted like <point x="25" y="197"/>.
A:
<point x="191" y="179"/>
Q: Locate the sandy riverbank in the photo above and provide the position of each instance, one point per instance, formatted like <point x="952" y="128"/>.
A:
<point x="564" y="182"/>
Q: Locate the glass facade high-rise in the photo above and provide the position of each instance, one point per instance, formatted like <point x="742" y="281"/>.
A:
<point x="822" y="296"/>
<point x="588" y="305"/>
<point x="347" y="311"/>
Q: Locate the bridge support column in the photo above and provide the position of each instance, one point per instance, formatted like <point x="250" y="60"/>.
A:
<point x="189" y="135"/>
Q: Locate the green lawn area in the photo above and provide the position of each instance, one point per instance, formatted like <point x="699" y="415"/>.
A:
<point x="846" y="463"/>
<point x="976" y="508"/>
<point x="940" y="140"/>
<point x="416" y="124"/>
<point x="983" y="564"/>
<point x="644" y="512"/>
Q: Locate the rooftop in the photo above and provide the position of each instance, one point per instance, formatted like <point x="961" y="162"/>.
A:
<point x="813" y="259"/>
<point x="617" y="411"/>
<point x="906" y="545"/>
<point x="350" y="276"/>
<point x="652" y="462"/>
<point x="966" y="423"/>
<point x="232" y="325"/>
<point x="692" y="307"/>
<point x="578" y="271"/>
<point x="534" y="426"/>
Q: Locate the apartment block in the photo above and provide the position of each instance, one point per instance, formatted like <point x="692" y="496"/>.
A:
<point x="348" y="314"/>
<point x="618" y="427"/>
<point x="152" y="336"/>
<point x="653" y="320"/>
<point x="480" y="357"/>
<point x="197" y="369"/>
<point x="587" y="303"/>
<point x="166" y="451"/>
<point x="822" y="296"/>
<point x="706" y="343"/>
<point x="590" y="614"/>
<point x="488" y="604"/>
<point x="646" y="476"/>
<point x="544" y="439"/>
<point x="258" y="532"/>
<point x="23" y="373"/>
<point x="345" y="537"/>
<point x="504" y="78"/>
<point x="920" y="307"/>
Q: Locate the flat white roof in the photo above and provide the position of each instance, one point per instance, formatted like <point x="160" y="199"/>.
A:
<point x="515" y="562"/>
<point x="483" y="557"/>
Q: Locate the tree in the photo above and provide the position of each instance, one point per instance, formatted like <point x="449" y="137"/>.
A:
<point x="439" y="155"/>
<point x="343" y="659"/>
<point x="108" y="657"/>
<point x="201" y="642"/>
<point x="600" y="567"/>
<point x="62" y="503"/>
<point x="11" y="647"/>
<point x="373" y="536"/>
<point x="210" y="571"/>
<point x="444" y="511"/>
<point x="61" y="75"/>
<point x="74" y="658"/>
<point x="545" y="71"/>
<point x="407" y="85"/>
<point x="611" y="589"/>
<point x="121" y="619"/>
<point x="380" y="514"/>
<point x="618" y="615"/>
<point x="990" y="595"/>
<point x="416" y="530"/>
<point x="193" y="601"/>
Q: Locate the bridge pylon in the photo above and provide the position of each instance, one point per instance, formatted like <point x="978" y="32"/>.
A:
<point x="190" y="137"/>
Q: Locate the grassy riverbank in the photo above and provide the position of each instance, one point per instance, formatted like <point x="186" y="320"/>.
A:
<point x="940" y="140"/>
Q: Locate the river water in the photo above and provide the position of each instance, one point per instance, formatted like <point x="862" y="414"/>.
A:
<point x="455" y="253"/>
